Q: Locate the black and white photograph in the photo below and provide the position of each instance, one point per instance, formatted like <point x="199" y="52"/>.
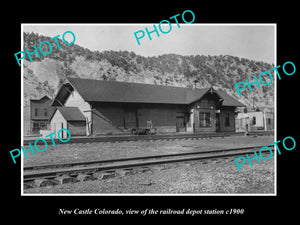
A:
<point x="146" y="111"/>
<point x="180" y="109"/>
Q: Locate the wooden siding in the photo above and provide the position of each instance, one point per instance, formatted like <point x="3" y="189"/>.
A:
<point x="212" y="127"/>
<point x="269" y="120"/>
<point x="75" y="127"/>
<point x="102" y="125"/>
<point x="160" y="115"/>
<point x="27" y="123"/>
<point x="58" y="122"/>
<point x="259" y="119"/>
<point x="76" y="100"/>
<point x="163" y="116"/>
<point x="264" y="121"/>
<point x="40" y="121"/>
<point x="107" y="118"/>
<point x="230" y="111"/>
<point x="110" y="111"/>
<point x="113" y="117"/>
<point x="207" y="104"/>
<point x="41" y="107"/>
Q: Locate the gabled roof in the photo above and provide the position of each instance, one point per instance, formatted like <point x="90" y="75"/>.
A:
<point x="114" y="91"/>
<point x="44" y="98"/>
<point x="193" y="95"/>
<point x="69" y="113"/>
<point x="228" y="100"/>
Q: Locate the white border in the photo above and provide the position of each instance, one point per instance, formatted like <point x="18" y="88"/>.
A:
<point x="22" y="113"/>
<point x="134" y="24"/>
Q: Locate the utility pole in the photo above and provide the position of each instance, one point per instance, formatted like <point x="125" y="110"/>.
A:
<point x="265" y="119"/>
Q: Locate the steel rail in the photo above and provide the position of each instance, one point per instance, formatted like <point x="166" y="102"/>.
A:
<point x="148" y="137"/>
<point x="28" y="176"/>
<point x="83" y="163"/>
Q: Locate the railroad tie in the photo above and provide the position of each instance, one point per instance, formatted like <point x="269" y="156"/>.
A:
<point x="85" y="177"/>
<point x="44" y="182"/>
<point x="124" y="172"/>
<point x="65" y="179"/>
<point x="104" y="175"/>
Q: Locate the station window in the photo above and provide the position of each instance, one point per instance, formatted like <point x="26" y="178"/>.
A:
<point x="40" y="125"/>
<point x="36" y="112"/>
<point x="43" y="125"/>
<point x="253" y="120"/>
<point x="227" y="120"/>
<point x="36" y="125"/>
<point x="204" y="119"/>
<point x="45" y="112"/>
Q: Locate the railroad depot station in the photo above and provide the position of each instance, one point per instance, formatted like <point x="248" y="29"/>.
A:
<point x="89" y="107"/>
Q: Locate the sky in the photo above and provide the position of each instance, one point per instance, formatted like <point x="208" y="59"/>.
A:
<point x="251" y="41"/>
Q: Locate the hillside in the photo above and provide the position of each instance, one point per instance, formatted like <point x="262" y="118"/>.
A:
<point x="43" y="75"/>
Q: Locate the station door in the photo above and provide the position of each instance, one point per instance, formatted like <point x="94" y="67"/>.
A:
<point x="130" y="118"/>
<point x="180" y="124"/>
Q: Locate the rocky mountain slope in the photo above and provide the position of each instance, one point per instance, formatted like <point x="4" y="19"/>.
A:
<point x="43" y="75"/>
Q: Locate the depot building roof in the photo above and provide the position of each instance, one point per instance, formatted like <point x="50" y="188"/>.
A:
<point x="113" y="91"/>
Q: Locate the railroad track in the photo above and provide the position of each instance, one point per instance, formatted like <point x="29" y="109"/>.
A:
<point x="56" y="173"/>
<point x="116" y="138"/>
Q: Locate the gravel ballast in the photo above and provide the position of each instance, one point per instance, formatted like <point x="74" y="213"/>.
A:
<point x="219" y="176"/>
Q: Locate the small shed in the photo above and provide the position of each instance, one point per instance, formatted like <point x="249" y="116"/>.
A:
<point x="70" y="118"/>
